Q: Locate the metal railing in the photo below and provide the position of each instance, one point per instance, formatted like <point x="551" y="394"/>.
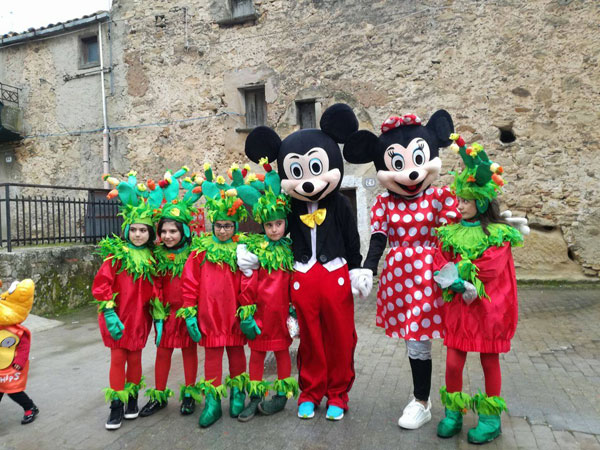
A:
<point x="33" y="214"/>
<point x="9" y="93"/>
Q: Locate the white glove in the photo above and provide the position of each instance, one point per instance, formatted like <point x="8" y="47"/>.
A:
<point x="246" y="260"/>
<point x="361" y="281"/>
<point x="470" y="293"/>
<point x="520" y="223"/>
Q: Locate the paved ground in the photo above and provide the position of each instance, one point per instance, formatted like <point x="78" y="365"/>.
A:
<point x="551" y="385"/>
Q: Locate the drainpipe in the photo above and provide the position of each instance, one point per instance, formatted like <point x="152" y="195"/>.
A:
<point x="105" y="136"/>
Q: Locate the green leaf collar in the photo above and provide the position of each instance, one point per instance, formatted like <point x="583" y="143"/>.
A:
<point x="218" y="252"/>
<point x="170" y="262"/>
<point x="272" y="255"/>
<point x="136" y="261"/>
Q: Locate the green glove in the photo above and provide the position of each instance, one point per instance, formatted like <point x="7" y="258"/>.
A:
<point x="113" y="324"/>
<point x="192" y="327"/>
<point x="158" y="324"/>
<point x="250" y="328"/>
<point x="292" y="312"/>
<point x="458" y="286"/>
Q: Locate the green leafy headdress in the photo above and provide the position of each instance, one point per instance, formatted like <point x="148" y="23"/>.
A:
<point x="480" y="180"/>
<point x="222" y="200"/>
<point x="264" y="196"/>
<point x="179" y="209"/>
<point x="137" y="203"/>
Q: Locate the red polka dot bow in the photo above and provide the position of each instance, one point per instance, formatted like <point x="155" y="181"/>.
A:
<point x="395" y="122"/>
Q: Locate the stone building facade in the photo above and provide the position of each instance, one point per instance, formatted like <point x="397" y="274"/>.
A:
<point x="188" y="79"/>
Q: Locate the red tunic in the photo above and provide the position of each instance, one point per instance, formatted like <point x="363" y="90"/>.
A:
<point x="15" y="339"/>
<point x="132" y="305"/>
<point x="408" y="300"/>
<point x="484" y="326"/>
<point x="174" y="334"/>
<point x="214" y="289"/>
<point x="270" y="292"/>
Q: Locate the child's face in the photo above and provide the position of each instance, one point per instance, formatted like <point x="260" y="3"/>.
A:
<point x="138" y="234"/>
<point x="170" y="234"/>
<point x="275" y="229"/>
<point x="224" y="230"/>
<point x="467" y="208"/>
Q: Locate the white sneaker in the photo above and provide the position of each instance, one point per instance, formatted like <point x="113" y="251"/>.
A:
<point x="415" y="415"/>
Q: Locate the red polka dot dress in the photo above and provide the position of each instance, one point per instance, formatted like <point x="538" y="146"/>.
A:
<point x="408" y="300"/>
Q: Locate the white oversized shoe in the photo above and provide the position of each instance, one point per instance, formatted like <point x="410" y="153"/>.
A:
<point x="415" y="415"/>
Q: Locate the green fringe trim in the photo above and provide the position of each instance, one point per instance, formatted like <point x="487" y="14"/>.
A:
<point x="158" y="311"/>
<point x="137" y="262"/>
<point x="159" y="396"/>
<point x="206" y="387"/>
<point x="217" y="252"/>
<point x="239" y="381"/>
<point x="111" y="394"/>
<point x="103" y="305"/>
<point x="258" y="388"/>
<point x="134" y="389"/>
<point x="488" y="406"/>
<point x="189" y="391"/>
<point x="272" y="255"/>
<point x="471" y="242"/>
<point x="468" y="271"/>
<point x="185" y="313"/>
<point x="456" y="401"/>
<point x="165" y="265"/>
<point x="288" y="386"/>
<point x="243" y="312"/>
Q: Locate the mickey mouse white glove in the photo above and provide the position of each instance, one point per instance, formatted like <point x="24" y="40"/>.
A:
<point x="520" y="223"/>
<point x="246" y="260"/>
<point x="361" y="281"/>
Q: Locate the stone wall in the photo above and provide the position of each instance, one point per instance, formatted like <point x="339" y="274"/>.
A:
<point x="527" y="68"/>
<point x="63" y="275"/>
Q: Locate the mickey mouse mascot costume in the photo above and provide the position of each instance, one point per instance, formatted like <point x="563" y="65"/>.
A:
<point x="326" y="248"/>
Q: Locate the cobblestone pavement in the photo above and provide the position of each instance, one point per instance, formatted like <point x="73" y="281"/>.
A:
<point x="551" y="382"/>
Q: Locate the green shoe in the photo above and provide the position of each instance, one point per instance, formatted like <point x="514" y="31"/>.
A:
<point x="274" y="405"/>
<point x="450" y="425"/>
<point x="488" y="428"/>
<point x="250" y="411"/>
<point x="212" y="411"/>
<point x="236" y="401"/>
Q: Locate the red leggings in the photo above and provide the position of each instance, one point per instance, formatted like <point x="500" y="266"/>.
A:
<point x="490" y="362"/>
<point x="213" y="362"/>
<point x="163" y="365"/>
<point x="257" y="364"/>
<point x="119" y="358"/>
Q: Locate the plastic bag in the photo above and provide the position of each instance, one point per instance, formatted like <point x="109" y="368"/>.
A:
<point x="293" y="327"/>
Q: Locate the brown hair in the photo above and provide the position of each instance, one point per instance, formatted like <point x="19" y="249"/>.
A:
<point x="491" y="215"/>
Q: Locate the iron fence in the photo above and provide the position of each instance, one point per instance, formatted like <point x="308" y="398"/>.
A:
<point x="9" y="93"/>
<point x="33" y="214"/>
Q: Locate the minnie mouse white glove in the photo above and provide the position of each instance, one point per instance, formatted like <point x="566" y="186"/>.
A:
<point x="361" y="281"/>
<point x="520" y="223"/>
<point x="246" y="260"/>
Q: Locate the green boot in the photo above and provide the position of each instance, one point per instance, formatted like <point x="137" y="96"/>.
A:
<point x="238" y="394"/>
<point x="456" y="404"/>
<point x="212" y="411"/>
<point x="212" y="407"/>
<point x="489" y="426"/>
<point x="250" y="411"/>
<point x="274" y="405"/>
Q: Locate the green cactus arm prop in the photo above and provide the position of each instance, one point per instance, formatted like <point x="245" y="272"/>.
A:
<point x="489" y="406"/>
<point x="159" y="396"/>
<point x="258" y="388"/>
<point x="456" y="401"/>
<point x="158" y="311"/>
<point x="186" y="313"/>
<point x="238" y="381"/>
<point x="111" y="394"/>
<point x="243" y="312"/>
<point x="103" y="305"/>
<point x="288" y="386"/>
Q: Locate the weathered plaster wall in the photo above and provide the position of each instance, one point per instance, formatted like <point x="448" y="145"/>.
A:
<point x="528" y="66"/>
<point x="63" y="275"/>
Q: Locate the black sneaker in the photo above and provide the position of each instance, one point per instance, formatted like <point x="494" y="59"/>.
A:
<point x="116" y="415"/>
<point x="151" y="407"/>
<point x="29" y="415"/>
<point x="188" y="406"/>
<point x="132" y="410"/>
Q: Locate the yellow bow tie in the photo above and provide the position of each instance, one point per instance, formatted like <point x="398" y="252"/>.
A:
<point x="314" y="218"/>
